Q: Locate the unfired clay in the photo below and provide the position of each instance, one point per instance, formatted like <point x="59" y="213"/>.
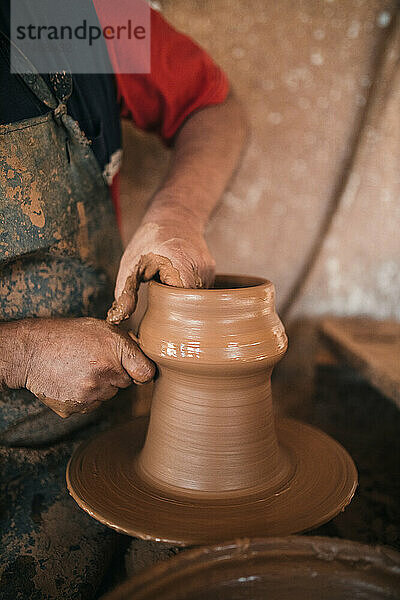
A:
<point x="214" y="464"/>
<point x="292" y="568"/>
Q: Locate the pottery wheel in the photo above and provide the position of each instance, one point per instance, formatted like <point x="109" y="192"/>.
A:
<point x="101" y="477"/>
<point x="300" y="568"/>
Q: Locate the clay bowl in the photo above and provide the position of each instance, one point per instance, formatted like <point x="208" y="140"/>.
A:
<point x="299" y="568"/>
<point x="213" y="463"/>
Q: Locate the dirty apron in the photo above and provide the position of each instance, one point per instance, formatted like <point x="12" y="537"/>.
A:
<point x="59" y="252"/>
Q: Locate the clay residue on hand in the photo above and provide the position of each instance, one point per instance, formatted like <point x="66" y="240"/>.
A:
<point x="126" y="303"/>
<point x="149" y="265"/>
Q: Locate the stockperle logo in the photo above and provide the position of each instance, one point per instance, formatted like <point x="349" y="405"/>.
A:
<point x="80" y="36"/>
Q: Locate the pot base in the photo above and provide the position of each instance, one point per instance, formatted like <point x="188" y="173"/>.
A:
<point x="102" y="479"/>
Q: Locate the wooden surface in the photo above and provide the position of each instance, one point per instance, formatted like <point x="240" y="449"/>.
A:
<point x="372" y="347"/>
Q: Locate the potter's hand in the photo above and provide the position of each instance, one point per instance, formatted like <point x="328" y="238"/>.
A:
<point x="170" y="244"/>
<point x="173" y="250"/>
<point x="73" y="365"/>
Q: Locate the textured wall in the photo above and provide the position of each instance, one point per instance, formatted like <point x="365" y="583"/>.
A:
<point x="313" y="197"/>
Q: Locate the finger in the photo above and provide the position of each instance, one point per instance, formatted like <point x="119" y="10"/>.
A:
<point x="156" y="264"/>
<point x="120" y="380"/>
<point x="136" y="364"/>
<point x="127" y="268"/>
<point x="102" y="394"/>
<point x="189" y="277"/>
<point x="125" y="305"/>
<point x="185" y="276"/>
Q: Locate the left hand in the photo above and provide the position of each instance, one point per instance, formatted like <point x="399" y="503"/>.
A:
<point x="174" y="249"/>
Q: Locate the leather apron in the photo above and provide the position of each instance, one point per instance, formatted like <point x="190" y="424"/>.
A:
<point x="59" y="242"/>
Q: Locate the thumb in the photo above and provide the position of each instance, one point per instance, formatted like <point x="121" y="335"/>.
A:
<point x="126" y="302"/>
<point x="140" y="368"/>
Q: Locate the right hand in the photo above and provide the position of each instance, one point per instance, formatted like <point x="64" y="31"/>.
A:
<point x="73" y="365"/>
<point x="175" y="252"/>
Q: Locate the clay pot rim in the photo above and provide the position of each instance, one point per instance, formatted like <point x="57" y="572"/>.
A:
<point x="197" y="560"/>
<point x="259" y="282"/>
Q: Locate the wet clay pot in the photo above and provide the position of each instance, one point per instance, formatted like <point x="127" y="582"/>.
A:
<point x="213" y="464"/>
<point x="292" y="568"/>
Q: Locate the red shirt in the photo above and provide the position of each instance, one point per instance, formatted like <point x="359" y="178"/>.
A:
<point x="183" y="79"/>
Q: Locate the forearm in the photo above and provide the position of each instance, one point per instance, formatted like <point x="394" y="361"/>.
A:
<point x="13" y="352"/>
<point x="207" y="150"/>
<point x="170" y="243"/>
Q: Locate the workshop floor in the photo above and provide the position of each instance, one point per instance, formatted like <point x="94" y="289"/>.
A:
<point x="368" y="425"/>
